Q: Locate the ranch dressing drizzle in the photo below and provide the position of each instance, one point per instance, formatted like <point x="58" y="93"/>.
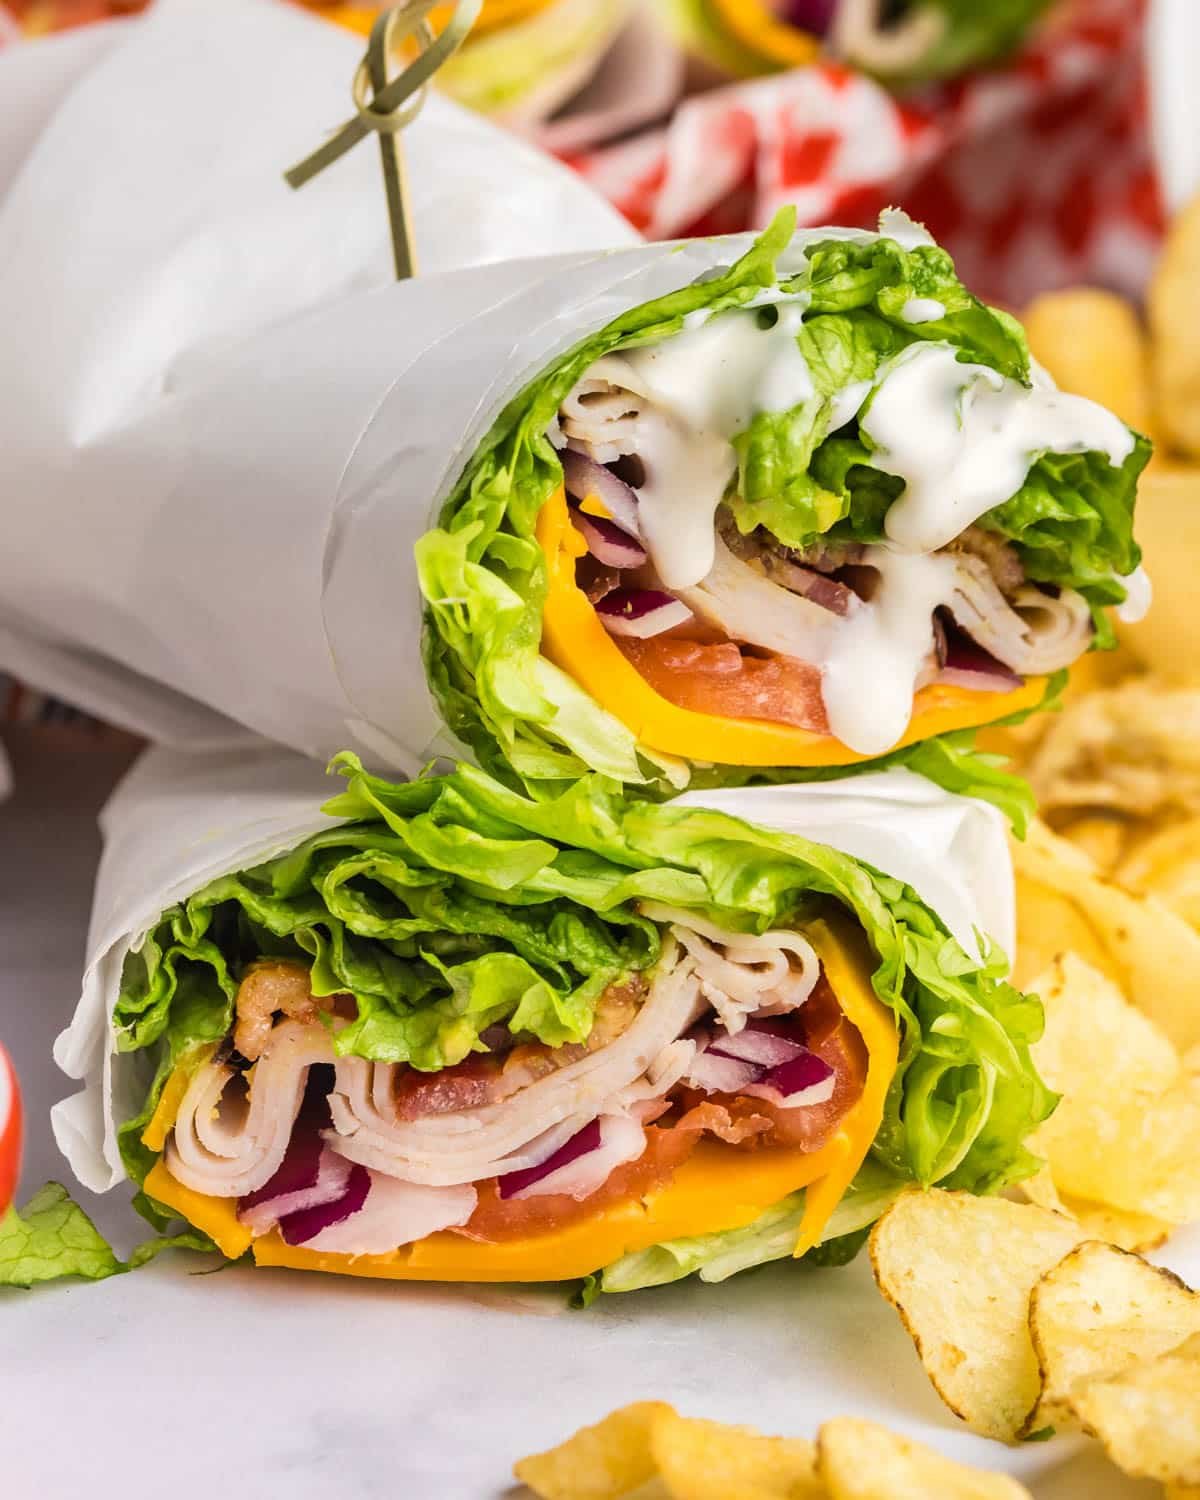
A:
<point x="706" y="383"/>
<point x="963" y="438"/>
<point x="922" y="310"/>
<point x="1139" y="595"/>
<point x="870" y="673"/>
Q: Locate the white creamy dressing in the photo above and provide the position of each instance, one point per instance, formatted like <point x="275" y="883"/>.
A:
<point x="963" y="438"/>
<point x="1139" y="595"/>
<point x="707" y="384"/>
<point x="847" y="403"/>
<point x="923" y="310"/>
<point x="870" y="673"/>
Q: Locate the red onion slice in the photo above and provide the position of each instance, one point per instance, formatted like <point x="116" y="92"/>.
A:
<point x="723" y="1075"/>
<point x="588" y="1139"/>
<point x="763" y="1047"/>
<point x="583" y="476"/>
<point x="969" y="665"/>
<point x="641" y="613"/>
<point x="808" y="15"/>
<point x="308" y="1222"/>
<point x="807" y="1079"/>
<point x="261" y="1211"/>
<point x="607" y="542"/>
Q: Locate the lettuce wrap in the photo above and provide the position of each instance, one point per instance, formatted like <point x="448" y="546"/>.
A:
<point x="813" y="509"/>
<point x="444" y="1031"/>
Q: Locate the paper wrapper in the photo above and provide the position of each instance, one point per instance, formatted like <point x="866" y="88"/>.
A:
<point x="193" y="353"/>
<point x="1033" y="175"/>
<point x="178" y="821"/>
<point x="590" y="86"/>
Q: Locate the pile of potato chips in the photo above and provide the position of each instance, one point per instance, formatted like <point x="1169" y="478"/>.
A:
<point x="1025" y="1323"/>
<point x="650" y="1452"/>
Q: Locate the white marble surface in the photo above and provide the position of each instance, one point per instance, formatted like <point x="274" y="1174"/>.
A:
<point x="251" y="1383"/>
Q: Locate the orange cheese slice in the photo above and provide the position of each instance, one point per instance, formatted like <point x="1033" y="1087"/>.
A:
<point x="574" y="639"/>
<point x="755" y="26"/>
<point x="716" y="1188"/>
<point x="495" y="14"/>
<point x="216" y="1217"/>
<point x="162" y="1121"/>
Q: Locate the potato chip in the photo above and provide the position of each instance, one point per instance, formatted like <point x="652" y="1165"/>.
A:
<point x="1132" y="749"/>
<point x="1167" y="640"/>
<point x="1124" y="1131"/>
<point x="1102" y="836"/>
<point x="861" y="1461"/>
<point x="1097" y="1312"/>
<point x="1092" y="343"/>
<point x="1166" y="865"/>
<point x="1049" y="924"/>
<point x="1182" y="1492"/>
<point x="1099" y="1221"/>
<point x="1174" y="310"/>
<point x="1153" y="953"/>
<point x="601" y="1462"/>
<point x="959" y="1270"/>
<point x="1148" y="1415"/>
<point x="700" y="1460"/>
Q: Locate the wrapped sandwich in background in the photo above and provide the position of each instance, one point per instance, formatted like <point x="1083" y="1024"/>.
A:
<point x="524" y="59"/>
<point x="850" y="521"/>
<point x="445" y="1032"/>
<point x="1034" y="171"/>
<point x="913" y="41"/>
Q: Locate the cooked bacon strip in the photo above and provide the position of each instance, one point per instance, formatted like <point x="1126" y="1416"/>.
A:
<point x="270" y="987"/>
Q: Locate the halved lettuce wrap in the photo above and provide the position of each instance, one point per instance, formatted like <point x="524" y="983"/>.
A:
<point x="814" y="509"/>
<point x="459" y="1034"/>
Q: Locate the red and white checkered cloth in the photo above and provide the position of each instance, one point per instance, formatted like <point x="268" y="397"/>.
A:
<point x="1034" y="175"/>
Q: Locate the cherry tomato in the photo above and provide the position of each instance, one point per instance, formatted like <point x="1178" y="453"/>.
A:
<point x="10" y="1131"/>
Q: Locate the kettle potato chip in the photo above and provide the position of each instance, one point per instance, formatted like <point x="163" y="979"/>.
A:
<point x="1098" y="1221"/>
<point x="1152" y="953"/>
<point x="1174" y="309"/>
<point x="602" y="1462"/>
<point x="862" y="1461"/>
<point x="1167" y="640"/>
<point x="1166" y="865"/>
<point x="1132" y="749"/>
<point x="1124" y="1131"/>
<point x="699" y="1460"/>
<point x="1092" y="343"/>
<point x="1095" y="1314"/>
<point x="959" y="1270"/>
<point x="1147" y="1416"/>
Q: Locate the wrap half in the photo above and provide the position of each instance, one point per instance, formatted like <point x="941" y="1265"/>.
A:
<point x="227" y="444"/>
<point x="444" y="1032"/>
<point x="810" y="509"/>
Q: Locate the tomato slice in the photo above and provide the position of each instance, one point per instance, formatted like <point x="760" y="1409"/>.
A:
<point x="496" y="1219"/>
<point x="723" y="680"/>
<point x="10" y="1131"/>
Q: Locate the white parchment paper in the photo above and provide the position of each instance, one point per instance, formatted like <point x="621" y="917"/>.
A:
<point x="178" y="821"/>
<point x="192" y="351"/>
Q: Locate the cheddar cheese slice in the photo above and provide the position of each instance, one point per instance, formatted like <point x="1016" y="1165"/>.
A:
<point x="758" y="28"/>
